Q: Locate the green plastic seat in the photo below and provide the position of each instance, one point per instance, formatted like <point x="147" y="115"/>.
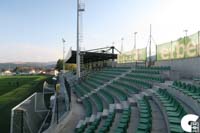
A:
<point x="174" y="110"/>
<point x="174" y="128"/>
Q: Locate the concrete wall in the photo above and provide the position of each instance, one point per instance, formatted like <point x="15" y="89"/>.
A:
<point x="125" y="65"/>
<point x="133" y="64"/>
<point x="187" y="68"/>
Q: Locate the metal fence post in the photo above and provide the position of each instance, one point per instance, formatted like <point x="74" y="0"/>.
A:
<point x="57" y="109"/>
<point x="156" y="53"/>
<point x="11" y="123"/>
<point x="198" y="45"/>
<point x="22" y="121"/>
<point x="171" y="53"/>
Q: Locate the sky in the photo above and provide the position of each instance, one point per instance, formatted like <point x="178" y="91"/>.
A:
<point x="32" y="30"/>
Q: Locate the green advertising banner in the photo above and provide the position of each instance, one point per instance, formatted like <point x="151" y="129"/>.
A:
<point x="164" y="51"/>
<point x="185" y="47"/>
<point x="142" y="54"/>
<point x="132" y="56"/>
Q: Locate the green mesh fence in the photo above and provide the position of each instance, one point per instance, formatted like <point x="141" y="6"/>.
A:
<point x="132" y="56"/>
<point x="185" y="47"/>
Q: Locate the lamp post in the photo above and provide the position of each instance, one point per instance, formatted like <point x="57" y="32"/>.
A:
<point x="185" y="36"/>
<point x="80" y="8"/>
<point x="150" y="48"/>
<point x="185" y="40"/>
<point x="113" y="43"/>
<point x="56" y="98"/>
<point x="135" y="33"/>
<point x="122" y="41"/>
<point x="185" y="32"/>
<point x="63" y="40"/>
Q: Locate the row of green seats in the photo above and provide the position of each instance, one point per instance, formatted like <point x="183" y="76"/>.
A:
<point x="145" y="120"/>
<point x="92" y="84"/>
<point x="100" y="74"/>
<point x="96" y="80"/>
<point x="145" y="77"/>
<point x="121" y="69"/>
<point x="107" y="124"/>
<point x="106" y="75"/>
<point x="116" y="69"/>
<point x="109" y="120"/>
<point x="80" y="129"/>
<point x="174" y="110"/>
<point x="124" y="121"/>
<point x="98" y="102"/>
<point x="135" y="81"/>
<point x="146" y="71"/>
<point x="188" y="89"/>
<point x="99" y="77"/>
<point x="129" y="88"/>
<point x="111" y="72"/>
<point x="79" y="91"/>
<point x="96" y="98"/>
<point x="119" y="94"/>
<point x="84" y="87"/>
<point x="88" y="107"/>
<point x="108" y="96"/>
<point x="155" y="67"/>
<point x="91" y="128"/>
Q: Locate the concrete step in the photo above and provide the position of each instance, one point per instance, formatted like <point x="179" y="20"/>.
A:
<point x="119" y="108"/>
<point x="111" y="108"/>
<point x="92" y="118"/>
<point x="125" y="104"/>
<point x="105" y="113"/>
<point x="132" y="101"/>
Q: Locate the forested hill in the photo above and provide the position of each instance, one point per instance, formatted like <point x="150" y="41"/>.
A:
<point x="27" y="64"/>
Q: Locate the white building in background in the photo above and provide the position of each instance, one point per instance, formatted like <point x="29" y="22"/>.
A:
<point x="7" y="72"/>
<point x="32" y="72"/>
<point x="56" y="72"/>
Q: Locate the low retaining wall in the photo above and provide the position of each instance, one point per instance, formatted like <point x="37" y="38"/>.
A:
<point x="187" y="68"/>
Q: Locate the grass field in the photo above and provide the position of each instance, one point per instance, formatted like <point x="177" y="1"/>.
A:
<point x="13" y="90"/>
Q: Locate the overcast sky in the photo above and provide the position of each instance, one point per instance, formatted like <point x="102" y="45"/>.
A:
<point x="31" y="30"/>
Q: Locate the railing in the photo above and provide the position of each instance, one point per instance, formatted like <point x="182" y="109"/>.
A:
<point x="33" y="116"/>
<point x="60" y="106"/>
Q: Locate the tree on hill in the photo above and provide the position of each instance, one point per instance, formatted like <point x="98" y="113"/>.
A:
<point x="3" y="69"/>
<point x="59" y="65"/>
<point x="16" y="69"/>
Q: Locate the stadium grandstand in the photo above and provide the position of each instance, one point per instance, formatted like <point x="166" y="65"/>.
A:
<point x="110" y="96"/>
<point x="119" y="92"/>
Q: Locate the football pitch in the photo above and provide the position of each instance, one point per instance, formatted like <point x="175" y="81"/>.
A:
<point x="13" y="90"/>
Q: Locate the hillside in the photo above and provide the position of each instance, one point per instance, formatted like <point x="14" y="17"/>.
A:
<point x="12" y="65"/>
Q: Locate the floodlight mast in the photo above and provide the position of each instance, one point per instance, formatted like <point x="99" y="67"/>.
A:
<point x="185" y="39"/>
<point x="150" y="48"/>
<point x="78" y="69"/>
<point x="185" y="36"/>
<point x="63" y="55"/>
<point x="185" y="32"/>
<point x="135" y="33"/>
<point x="122" y="43"/>
<point x="112" y="47"/>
